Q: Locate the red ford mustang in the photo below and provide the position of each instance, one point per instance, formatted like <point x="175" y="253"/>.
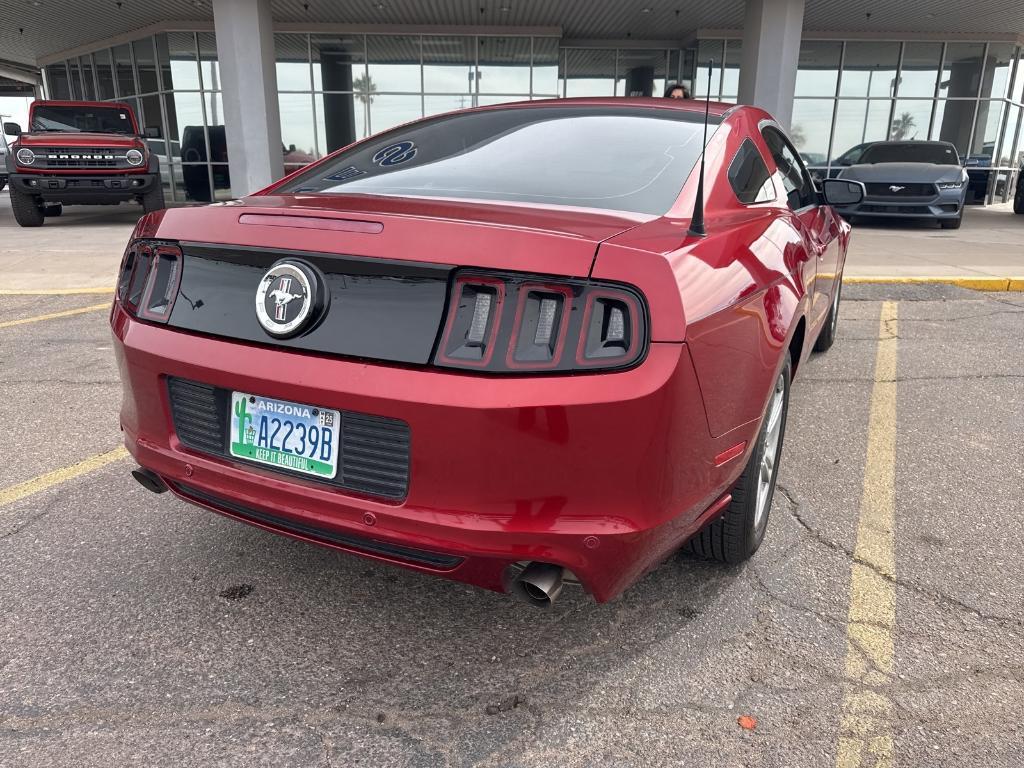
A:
<point x="494" y="345"/>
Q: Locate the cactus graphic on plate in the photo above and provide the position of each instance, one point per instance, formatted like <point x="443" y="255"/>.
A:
<point x="244" y="417"/>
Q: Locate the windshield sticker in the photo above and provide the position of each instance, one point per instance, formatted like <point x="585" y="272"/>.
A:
<point x="394" y="154"/>
<point x="345" y="174"/>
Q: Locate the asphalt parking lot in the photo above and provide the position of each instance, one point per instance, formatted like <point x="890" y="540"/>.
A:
<point x="880" y="624"/>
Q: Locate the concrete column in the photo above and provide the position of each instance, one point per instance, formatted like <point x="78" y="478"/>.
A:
<point x="245" y="50"/>
<point x="771" y="52"/>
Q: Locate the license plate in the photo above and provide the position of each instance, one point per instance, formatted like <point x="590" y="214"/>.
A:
<point x="286" y="435"/>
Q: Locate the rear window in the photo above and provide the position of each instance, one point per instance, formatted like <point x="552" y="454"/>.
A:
<point x="71" y="119"/>
<point x="940" y="154"/>
<point x="625" y="159"/>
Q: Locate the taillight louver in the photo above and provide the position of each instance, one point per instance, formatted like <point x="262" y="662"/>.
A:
<point x="149" y="280"/>
<point x="512" y="323"/>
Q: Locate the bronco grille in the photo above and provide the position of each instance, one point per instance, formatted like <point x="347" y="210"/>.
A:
<point x="81" y="157"/>
<point x="900" y="190"/>
<point x="374" y="453"/>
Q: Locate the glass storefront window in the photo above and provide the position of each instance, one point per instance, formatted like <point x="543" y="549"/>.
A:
<point x="859" y="121"/>
<point x="291" y="56"/>
<point x="76" y="79"/>
<point x="181" y="70"/>
<point x="449" y="65"/>
<point x="731" y="72"/>
<point x="88" y="82"/>
<point x="104" y="74"/>
<point x="589" y="72"/>
<point x="123" y="71"/>
<point x="545" y="67"/>
<point x="911" y="119"/>
<point x="996" y="81"/>
<point x="339" y="62"/>
<point x="818" y="69"/>
<point x="869" y="68"/>
<point x="57" y="81"/>
<point x="920" y="69"/>
<point x="341" y="118"/>
<point x="961" y="71"/>
<point x="297" y="138"/>
<point x="954" y="119"/>
<point x="145" y="63"/>
<point x="986" y="131"/>
<point x="640" y="72"/>
<point x="387" y="111"/>
<point x="1017" y="91"/>
<point x="504" y="65"/>
<point x="811" y="129"/>
<point x="209" y="68"/>
<point x="709" y="51"/>
<point x="393" y="64"/>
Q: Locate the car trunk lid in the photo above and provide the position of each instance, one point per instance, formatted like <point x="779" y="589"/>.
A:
<point x="386" y="262"/>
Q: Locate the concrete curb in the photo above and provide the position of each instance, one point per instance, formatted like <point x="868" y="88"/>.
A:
<point x="994" y="284"/>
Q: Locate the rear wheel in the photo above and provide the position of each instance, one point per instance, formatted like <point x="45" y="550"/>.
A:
<point x="827" y="336"/>
<point x="737" y="534"/>
<point x="27" y="212"/>
<point x="153" y="200"/>
<point x="1018" y="200"/>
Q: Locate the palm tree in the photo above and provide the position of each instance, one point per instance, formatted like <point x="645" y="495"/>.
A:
<point x="902" y="126"/>
<point x="365" y="89"/>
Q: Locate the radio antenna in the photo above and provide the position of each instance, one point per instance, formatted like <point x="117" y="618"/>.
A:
<point x="697" y="220"/>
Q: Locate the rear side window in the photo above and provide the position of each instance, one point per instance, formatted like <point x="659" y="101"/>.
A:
<point x="749" y="176"/>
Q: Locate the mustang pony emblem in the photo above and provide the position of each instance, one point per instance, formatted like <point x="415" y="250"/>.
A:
<point x="895" y="188"/>
<point x="276" y="307"/>
<point x="281" y="297"/>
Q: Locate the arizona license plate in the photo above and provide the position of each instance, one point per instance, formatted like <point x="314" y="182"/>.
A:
<point x="286" y="435"/>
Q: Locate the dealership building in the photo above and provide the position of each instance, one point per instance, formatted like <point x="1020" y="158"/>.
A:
<point x="234" y="93"/>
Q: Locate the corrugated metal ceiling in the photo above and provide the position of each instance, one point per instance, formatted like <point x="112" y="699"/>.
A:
<point x="32" y="29"/>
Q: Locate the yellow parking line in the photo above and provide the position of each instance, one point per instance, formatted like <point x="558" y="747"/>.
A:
<point x="58" y="476"/>
<point x="979" y="283"/>
<point x="55" y="315"/>
<point x="52" y="291"/>
<point x="865" y="735"/>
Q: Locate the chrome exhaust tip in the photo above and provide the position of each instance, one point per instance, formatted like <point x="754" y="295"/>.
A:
<point x="149" y="480"/>
<point x="539" y="584"/>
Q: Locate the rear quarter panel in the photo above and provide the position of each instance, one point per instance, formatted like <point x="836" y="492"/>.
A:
<point x="735" y="296"/>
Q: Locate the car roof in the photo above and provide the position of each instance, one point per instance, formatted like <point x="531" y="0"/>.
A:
<point x="715" y="108"/>
<point x="76" y="103"/>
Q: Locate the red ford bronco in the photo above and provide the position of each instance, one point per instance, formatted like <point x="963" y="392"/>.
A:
<point x="79" y="153"/>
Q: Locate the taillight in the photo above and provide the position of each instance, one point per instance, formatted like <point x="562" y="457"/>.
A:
<point x="511" y="323"/>
<point x="149" y="280"/>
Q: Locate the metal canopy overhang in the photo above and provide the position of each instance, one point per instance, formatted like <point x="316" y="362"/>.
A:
<point x="34" y="33"/>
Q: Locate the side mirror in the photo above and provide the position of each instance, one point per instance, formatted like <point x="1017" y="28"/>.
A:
<point x="12" y="129"/>
<point x="842" y="192"/>
<point x="153" y="132"/>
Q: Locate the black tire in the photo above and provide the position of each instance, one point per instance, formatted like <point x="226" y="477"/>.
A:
<point x="153" y="200"/>
<point x="827" y="335"/>
<point x="952" y="223"/>
<point x="50" y="211"/>
<point x="27" y="212"/>
<point x="737" y="534"/>
<point x="1018" y="200"/>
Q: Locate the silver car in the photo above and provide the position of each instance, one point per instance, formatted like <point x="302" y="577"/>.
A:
<point x="910" y="179"/>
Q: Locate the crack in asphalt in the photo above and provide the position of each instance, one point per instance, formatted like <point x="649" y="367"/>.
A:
<point x="933" y="594"/>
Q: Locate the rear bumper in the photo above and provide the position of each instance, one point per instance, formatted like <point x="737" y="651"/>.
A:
<point x="603" y="474"/>
<point x="84" y="189"/>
